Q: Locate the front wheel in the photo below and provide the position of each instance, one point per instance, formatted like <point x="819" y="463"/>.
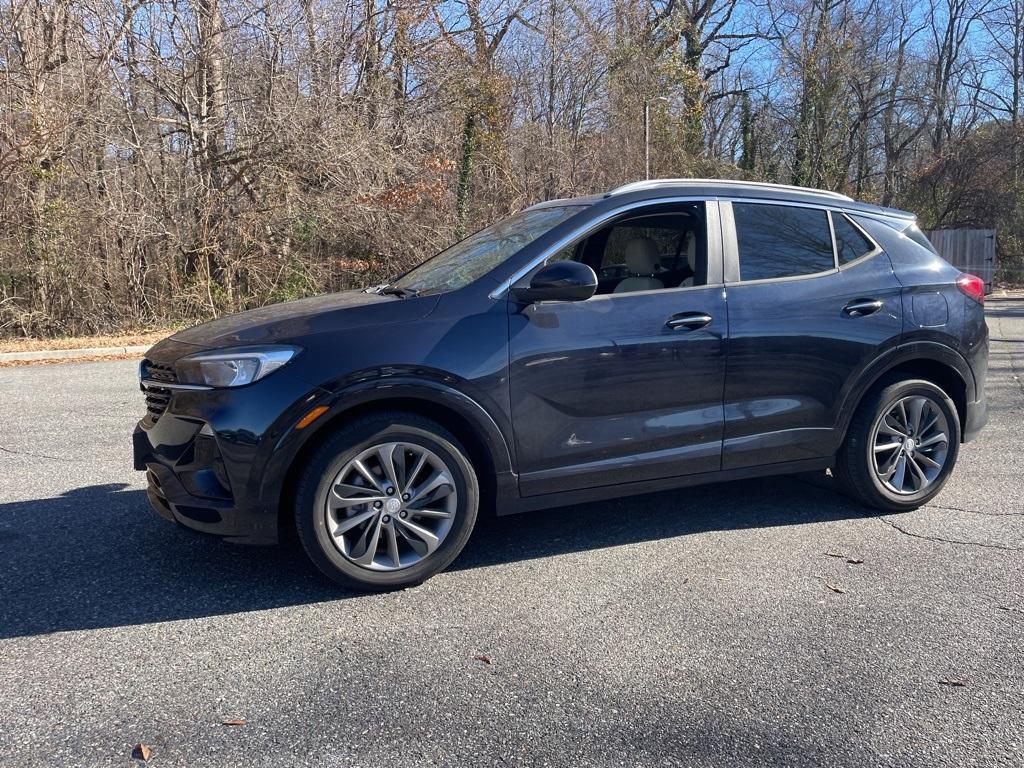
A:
<point x="901" y="446"/>
<point x="386" y="502"/>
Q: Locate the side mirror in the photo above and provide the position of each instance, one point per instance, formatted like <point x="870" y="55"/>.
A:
<point x="560" y="281"/>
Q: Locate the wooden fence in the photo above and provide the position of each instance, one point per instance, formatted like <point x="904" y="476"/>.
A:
<point x="970" y="250"/>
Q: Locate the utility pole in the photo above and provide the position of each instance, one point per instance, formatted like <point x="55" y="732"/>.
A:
<point x="647" y="134"/>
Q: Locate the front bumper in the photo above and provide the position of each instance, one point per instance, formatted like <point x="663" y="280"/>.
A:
<point x="216" y="460"/>
<point x="206" y="503"/>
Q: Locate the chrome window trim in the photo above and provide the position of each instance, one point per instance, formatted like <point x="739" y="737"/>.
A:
<point x="652" y="291"/>
<point x="784" y="279"/>
<point x="584" y="231"/>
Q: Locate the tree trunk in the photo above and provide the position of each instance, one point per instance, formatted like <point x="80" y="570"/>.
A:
<point x="465" y="172"/>
<point x="204" y="260"/>
<point x="748" y="156"/>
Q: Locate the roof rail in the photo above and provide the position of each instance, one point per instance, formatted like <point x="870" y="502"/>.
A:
<point x="654" y="183"/>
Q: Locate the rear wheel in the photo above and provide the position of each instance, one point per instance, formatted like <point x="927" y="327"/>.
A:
<point x="386" y="502"/>
<point x="901" y="446"/>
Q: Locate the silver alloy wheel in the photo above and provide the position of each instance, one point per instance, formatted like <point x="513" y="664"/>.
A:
<point x="391" y="506"/>
<point x="910" y="443"/>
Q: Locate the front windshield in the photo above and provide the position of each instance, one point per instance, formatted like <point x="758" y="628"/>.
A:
<point x="481" y="252"/>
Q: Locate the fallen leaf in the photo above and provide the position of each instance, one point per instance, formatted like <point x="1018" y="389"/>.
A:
<point x="854" y="560"/>
<point x="484" y="659"/>
<point x="238" y="721"/>
<point x="141" y="752"/>
<point x="953" y="681"/>
<point x="834" y="588"/>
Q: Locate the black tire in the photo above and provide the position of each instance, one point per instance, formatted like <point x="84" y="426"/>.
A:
<point x="855" y="464"/>
<point x="340" y="448"/>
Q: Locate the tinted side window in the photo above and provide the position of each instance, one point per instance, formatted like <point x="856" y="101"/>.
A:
<point x="781" y="241"/>
<point x="661" y="246"/>
<point x="659" y="230"/>
<point x="914" y="233"/>
<point x="850" y="243"/>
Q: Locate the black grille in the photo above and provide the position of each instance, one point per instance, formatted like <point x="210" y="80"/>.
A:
<point x="159" y="372"/>
<point x="157" y="401"/>
<point x="157" y="398"/>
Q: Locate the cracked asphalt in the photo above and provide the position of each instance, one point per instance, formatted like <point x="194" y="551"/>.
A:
<point x="716" y="626"/>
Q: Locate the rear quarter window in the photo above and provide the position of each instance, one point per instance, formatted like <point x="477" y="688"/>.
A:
<point x="850" y="241"/>
<point x="914" y="233"/>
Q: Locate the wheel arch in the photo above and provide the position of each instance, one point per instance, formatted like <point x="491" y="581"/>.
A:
<point x="930" y="361"/>
<point x="465" y="418"/>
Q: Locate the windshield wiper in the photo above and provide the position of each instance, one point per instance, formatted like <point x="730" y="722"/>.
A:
<point x="394" y="290"/>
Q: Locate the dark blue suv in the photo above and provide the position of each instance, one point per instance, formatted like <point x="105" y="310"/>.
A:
<point x="665" y="334"/>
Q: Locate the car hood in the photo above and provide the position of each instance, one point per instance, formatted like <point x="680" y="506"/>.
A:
<point x="292" y="321"/>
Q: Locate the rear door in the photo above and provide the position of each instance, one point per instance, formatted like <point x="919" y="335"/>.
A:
<point x="811" y="300"/>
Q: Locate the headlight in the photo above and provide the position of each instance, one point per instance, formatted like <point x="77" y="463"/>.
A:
<point x="233" y="367"/>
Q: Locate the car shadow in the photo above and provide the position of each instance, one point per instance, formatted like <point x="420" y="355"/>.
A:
<point x="98" y="557"/>
<point x="763" y="503"/>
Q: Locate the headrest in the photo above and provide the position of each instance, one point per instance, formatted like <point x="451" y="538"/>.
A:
<point x="642" y="256"/>
<point x="691" y="250"/>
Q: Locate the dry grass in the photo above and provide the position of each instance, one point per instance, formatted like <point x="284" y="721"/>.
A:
<point x="68" y="360"/>
<point x="82" y="342"/>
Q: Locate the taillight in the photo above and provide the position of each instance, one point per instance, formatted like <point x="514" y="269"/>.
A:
<point x="972" y="286"/>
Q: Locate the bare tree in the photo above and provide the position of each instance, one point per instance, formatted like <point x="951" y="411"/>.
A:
<point x="162" y="161"/>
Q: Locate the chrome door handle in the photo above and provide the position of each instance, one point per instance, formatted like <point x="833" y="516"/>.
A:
<point x="861" y="307"/>
<point x="689" y="320"/>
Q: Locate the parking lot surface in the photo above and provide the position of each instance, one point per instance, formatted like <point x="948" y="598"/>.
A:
<point x="769" y="622"/>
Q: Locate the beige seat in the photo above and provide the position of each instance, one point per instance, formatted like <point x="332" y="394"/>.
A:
<point x="691" y="258"/>
<point x="642" y="262"/>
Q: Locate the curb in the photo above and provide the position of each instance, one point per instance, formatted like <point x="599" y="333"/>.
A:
<point x="71" y="354"/>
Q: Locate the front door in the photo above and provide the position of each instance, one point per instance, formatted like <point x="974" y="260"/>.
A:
<point x="626" y="386"/>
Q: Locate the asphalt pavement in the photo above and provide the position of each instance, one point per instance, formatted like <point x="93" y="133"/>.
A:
<point x="762" y="623"/>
